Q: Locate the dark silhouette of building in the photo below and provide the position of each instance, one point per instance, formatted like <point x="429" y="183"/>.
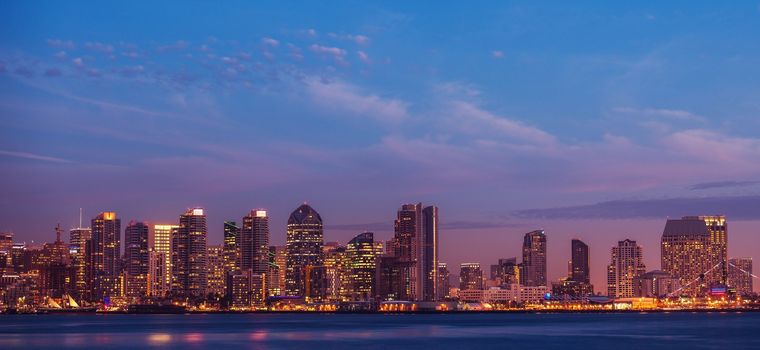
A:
<point x="470" y="276"/>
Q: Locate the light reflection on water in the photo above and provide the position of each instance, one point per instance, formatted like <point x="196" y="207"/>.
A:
<point x="438" y="331"/>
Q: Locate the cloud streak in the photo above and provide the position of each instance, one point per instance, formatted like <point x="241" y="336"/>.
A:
<point x="33" y="156"/>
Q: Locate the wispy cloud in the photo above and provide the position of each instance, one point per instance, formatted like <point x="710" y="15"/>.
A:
<point x="61" y="44"/>
<point x="497" y="54"/>
<point x="736" y="207"/>
<point x="32" y="156"/>
<point x="344" y="96"/>
<point x="336" y="53"/>
<point x="722" y="184"/>
<point x="675" y="114"/>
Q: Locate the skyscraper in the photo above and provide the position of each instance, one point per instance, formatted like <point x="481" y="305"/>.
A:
<point x="534" y="259"/>
<point x="428" y="253"/>
<point x="160" y="241"/>
<point x="470" y="276"/>
<point x="336" y="271"/>
<point x="626" y="267"/>
<point x="304" y="248"/>
<point x="78" y="238"/>
<point x="579" y="262"/>
<point x="231" y="248"/>
<point x="362" y="266"/>
<point x="102" y="258"/>
<point x="415" y="244"/>
<point x="215" y="273"/>
<point x="189" y="254"/>
<point x="443" y="281"/>
<point x="694" y="249"/>
<point x="136" y="257"/>
<point x="506" y="272"/>
<point x="254" y="242"/>
<point x="740" y="275"/>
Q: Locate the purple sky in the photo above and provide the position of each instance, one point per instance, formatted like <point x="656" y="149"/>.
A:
<point x="595" y="121"/>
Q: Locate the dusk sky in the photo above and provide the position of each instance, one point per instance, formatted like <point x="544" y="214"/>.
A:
<point x="591" y="120"/>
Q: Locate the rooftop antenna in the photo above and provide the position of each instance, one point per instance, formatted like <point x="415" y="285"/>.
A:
<point x="80" y="217"/>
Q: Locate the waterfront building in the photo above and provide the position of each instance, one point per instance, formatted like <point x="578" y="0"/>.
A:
<point x="534" y="259"/>
<point x="231" y="247"/>
<point x="656" y="284"/>
<point x="415" y="243"/>
<point x="362" y="265"/>
<point x="136" y="256"/>
<point x="215" y="273"/>
<point x="304" y="248"/>
<point x="160" y="242"/>
<point x="78" y="238"/>
<point x="442" y="289"/>
<point x="694" y="249"/>
<point x="245" y="290"/>
<point x="627" y="265"/>
<point x="254" y="242"/>
<point x="102" y="257"/>
<point x="579" y="262"/>
<point x="336" y="271"/>
<point x="511" y="294"/>
<point x="506" y="272"/>
<point x="189" y="254"/>
<point x="470" y="276"/>
<point x="740" y="275"/>
<point x="54" y="268"/>
<point x="281" y="261"/>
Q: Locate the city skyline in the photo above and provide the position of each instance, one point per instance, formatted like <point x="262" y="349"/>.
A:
<point x="599" y="280"/>
<point x="509" y="117"/>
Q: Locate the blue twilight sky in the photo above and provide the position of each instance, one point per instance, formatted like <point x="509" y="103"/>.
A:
<point x="591" y="119"/>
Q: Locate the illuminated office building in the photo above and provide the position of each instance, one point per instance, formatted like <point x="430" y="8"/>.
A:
<point x="231" y="249"/>
<point x="506" y="272"/>
<point x="362" y="266"/>
<point x="470" y="276"/>
<point x="626" y="267"/>
<point x="694" y="249"/>
<point x="740" y="275"/>
<point x="443" y="287"/>
<point x="136" y="257"/>
<point x="78" y="238"/>
<point x="534" y="259"/>
<point x="102" y="257"/>
<point x="160" y="241"/>
<point x="254" y="242"/>
<point x="336" y="271"/>
<point x="215" y="274"/>
<point x="189" y="254"/>
<point x="304" y="249"/>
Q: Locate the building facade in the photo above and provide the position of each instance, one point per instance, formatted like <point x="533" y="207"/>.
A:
<point x="254" y="242"/>
<point x="189" y="254"/>
<point x="470" y="276"/>
<point x="136" y="258"/>
<point x="534" y="259"/>
<point x="740" y="275"/>
<point x="304" y="248"/>
<point x="626" y="267"/>
<point x="694" y="249"/>
<point x="102" y="257"/>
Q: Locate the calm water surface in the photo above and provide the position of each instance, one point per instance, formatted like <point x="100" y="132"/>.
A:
<point x="422" y="331"/>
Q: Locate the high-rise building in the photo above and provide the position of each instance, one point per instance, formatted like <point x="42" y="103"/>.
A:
<point x="189" y="254"/>
<point x="304" y="248"/>
<point x="428" y="254"/>
<point x="254" y="242"/>
<point x="245" y="290"/>
<point x="579" y="262"/>
<point x="694" y="249"/>
<point x="136" y="256"/>
<point x="626" y="267"/>
<point x="443" y="281"/>
<point x="273" y="277"/>
<point x="534" y="259"/>
<point x="336" y="271"/>
<point x="78" y="238"/>
<point x="362" y="266"/>
<point x="470" y="276"/>
<point x="54" y="267"/>
<point x="740" y="275"/>
<point x="231" y="248"/>
<point x="102" y="257"/>
<point x="6" y="241"/>
<point x="415" y="243"/>
<point x="215" y="274"/>
<point x="160" y="241"/>
<point x="281" y="261"/>
<point x="159" y="279"/>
